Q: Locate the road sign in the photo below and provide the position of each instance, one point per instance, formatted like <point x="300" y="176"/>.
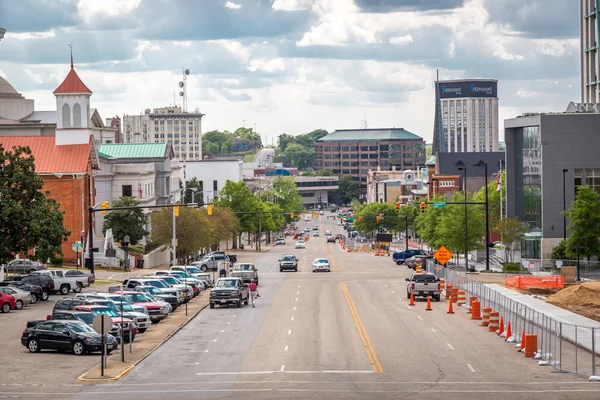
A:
<point x="439" y="204"/>
<point x="443" y="255"/>
<point x="97" y="323"/>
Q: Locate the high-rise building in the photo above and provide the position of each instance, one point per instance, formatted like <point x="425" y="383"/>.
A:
<point x="466" y="116"/>
<point x="589" y="51"/>
<point x="2" y="32"/>
<point x="167" y="124"/>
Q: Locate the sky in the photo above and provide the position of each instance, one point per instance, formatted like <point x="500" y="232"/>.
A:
<point x="292" y="66"/>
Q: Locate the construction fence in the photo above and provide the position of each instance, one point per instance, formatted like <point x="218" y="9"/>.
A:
<point x="538" y="282"/>
<point x="566" y="347"/>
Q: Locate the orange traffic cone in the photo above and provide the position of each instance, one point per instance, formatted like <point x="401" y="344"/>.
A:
<point x="412" y="299"/>
<point x="450" y="309"/>
<point x="508" y="330"/>
<point x="501" y="328"/>
<point x="522" y="341"/>
<point x="428" y="308"/>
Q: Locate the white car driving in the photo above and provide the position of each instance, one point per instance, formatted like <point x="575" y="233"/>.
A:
<point x="300" y="245"/>
<point x="321" y="264"/>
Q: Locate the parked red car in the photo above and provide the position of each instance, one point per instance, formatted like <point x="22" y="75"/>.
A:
<point x="7" y="302"/>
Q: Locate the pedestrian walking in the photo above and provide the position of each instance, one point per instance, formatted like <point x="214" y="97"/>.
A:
<point x="223" y="272"/>
<point x="253" y="288"/>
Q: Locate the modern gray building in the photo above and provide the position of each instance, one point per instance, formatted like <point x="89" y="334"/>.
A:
<point x="539" y="147"/>
<point x="446" y="165"/>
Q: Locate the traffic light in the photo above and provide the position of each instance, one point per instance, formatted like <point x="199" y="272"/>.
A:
<point x="104" y="205"/>
<point x="360" y="219"/>
<point x="292" y="215"/>
<point x="397" y="208"/>
<point x="210" y="209"/>
<point x="176" y="211"/>
<point x="422" y="207"/>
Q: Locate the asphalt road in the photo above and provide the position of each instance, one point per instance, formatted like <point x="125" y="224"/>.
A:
<point x="264" y="157"/>
<point x="346" y="334"/>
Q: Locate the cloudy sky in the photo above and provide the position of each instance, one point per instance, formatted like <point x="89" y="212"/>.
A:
<point x="294" y="65"/>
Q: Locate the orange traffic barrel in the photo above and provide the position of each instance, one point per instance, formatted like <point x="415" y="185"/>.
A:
<point x="471" y="300"/>
<point x="448" y="290"/>
<point x="461" y="298"/>
<point x="494" y="321"/>
<point x="442" y="284"/>
<point x="486" y="316"/>
<point x="454" y="294"/>
<point x="475" y="309"/>
<point x="530" y="346"/>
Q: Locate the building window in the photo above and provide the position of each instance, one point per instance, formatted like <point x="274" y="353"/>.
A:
<point x="66" y="116"/>
<point x="126" y="191"/>
<point x="215" y="186"/>
<point x="77" y="116"/>
<point x="528" y="173"/>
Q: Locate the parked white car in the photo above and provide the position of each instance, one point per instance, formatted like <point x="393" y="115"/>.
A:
<point x="63" y="284"/>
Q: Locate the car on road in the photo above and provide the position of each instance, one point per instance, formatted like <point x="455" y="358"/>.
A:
<point x="22" y="297"/>
<point x="288" y="262"/>
<point x="246" y="271"/>
<point x="321" y="264"/>
<point x="7" y="302"/>
<point x="307" y="218"/>
<point x="307" y="230"/>
<point x="330" y="239"/>
<point x="229" y="291"/>
<point x="300" y="245"/>
<point x="74" y="336"/>
<point x="423" y="285"/>
<point x="315" y="234"/>
<point x="327" y="232"/>
<point x="420" y="260"/>
<point x="400" y="257"/>
<point x="315" y="228"/>
<point x="280" y="241"/>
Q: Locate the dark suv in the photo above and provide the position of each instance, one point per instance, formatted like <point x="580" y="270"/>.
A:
<point x="400" y="257"/>
<point x="44" y="281"/>
<point x="69" y="303"/>
<point x="288" y="261"/>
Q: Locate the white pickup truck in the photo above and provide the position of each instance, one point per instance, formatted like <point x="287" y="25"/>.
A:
<point x="423" y="285"/>
<point x="64" y="284"/>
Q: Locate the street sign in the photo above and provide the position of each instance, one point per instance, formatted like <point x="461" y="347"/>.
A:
<point x="439" y="204"/>
<point x="77" y="246"/>
<point x="443" y="255"/>
<point x="97" y="323"/>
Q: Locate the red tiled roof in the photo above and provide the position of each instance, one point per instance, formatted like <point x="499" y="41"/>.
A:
<point x="72" y="84"/>
<point x="50" y="158"/>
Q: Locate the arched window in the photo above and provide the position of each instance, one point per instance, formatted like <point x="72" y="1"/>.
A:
<point x="77" y="116"/>
<point x="66" y="116"/>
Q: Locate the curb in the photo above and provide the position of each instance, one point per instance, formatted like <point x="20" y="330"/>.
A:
<point x="123" y="373"/>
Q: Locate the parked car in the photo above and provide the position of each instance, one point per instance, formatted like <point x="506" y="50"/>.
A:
<point x="81" y="275"/>
<point x="246" y="271"/>
<point x="74" y="336"/>
<point x="229" y="291"/>
<point x="83" y="316"/>
<point x="22" y="297"/>
<point x="420" y="259"/>
<point x="24" y="266"/>
<point x="142" y="320"/>
<point x="168" y="282"/>
<point x="401" y="256"/>
<point x="7" y="302"/>
<point x="125" y="324"/>
<point x="156" y="292"/>
<point x="45" y="282"/>
<point x="35" y="291"/>
<point x="211" y="262"/>
<point x="69" y="303"/>
<point x="288" y="261"/>
<point x="157" y="311"/>
<point x="62" y="283"/>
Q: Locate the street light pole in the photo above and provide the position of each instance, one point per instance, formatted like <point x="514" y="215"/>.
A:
<point x="462" y="167"/>
<point x="125" y="244"/>
<point x="564" y="205"/>
<point x="487" y="216"/>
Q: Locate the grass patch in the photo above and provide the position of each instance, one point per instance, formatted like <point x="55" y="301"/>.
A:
<point x="106" y="282"/>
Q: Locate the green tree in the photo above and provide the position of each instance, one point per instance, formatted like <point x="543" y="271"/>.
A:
<point x="317" y="134"/>
<point x="130" y="223"/>
<point x="511" y="231"/>
<point x="237" y="197"/>
<point x="584" y="224"/>
<point x="288" y="196"/>
<point x="348" y="189"/>
<point x="28" y="217"/>
<point x="369" y="214"/>
<point x="283" y="141"/>
<point x="192" y="186"/>
<point x="190" y="239"/>
<point x="324" y="172"/>
<point x="560" y="251"/>
<point x="493" y="200"/>
<point x="451" y="228"/>
<point x="428" y="223"/>
<point x="299" y="156"/>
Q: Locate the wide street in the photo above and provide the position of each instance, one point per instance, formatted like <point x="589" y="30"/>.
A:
<point x="345" y="334"/>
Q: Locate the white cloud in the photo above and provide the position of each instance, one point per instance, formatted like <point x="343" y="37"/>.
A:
<point x="93" y="9"/>
<point x="266" y="65"/>
<point x="527" y="94"/>
<point x="558" y="48"/>
<point x="401" y="39"/>
<point x="30" y="35"/>
<point x="232" y="5"/>
<point x="292" y="5"/>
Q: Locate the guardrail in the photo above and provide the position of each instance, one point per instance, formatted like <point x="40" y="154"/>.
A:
<point x="567" y="347"/>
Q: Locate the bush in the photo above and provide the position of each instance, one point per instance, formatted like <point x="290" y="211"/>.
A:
<point x="511" y="267"/>
<point x="57" y="261"/>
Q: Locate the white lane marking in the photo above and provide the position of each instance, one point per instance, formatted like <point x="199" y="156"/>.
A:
<point x="449" y="345"/>
<point x="228" y="323"/>
<point x="282" y="368"/>
<point x="294" y="308"/>
<point x="290" y="332"/>
<point x="223" y="331"/>
<point x="421" y="318"/>
<point x="409" y="307"/>
<point x="298" y="286"/>
<point x="233" y="315"/>
<point x="292" y="318"/>
<point x="385" y="285"/>
<point x="433" y="330"/>
<point x="471" y="368"/>
<point x="287" y="372"/>
<point x="298" y="292"/>
<point x="215" y="339"/>
<point x="286" y="348"/>
<point x="296" y="299"/>
<point x="207" y="350"/>
<point x="392" y="291"/>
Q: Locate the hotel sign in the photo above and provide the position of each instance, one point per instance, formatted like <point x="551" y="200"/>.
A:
<point x="451" y="90"/>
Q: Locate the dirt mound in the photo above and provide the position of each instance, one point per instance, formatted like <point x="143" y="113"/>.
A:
<point x="586" y="294"/>
<point x="365" y="248"/>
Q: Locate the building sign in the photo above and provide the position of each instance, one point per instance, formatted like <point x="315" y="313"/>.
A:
<point x="451" y="90"/>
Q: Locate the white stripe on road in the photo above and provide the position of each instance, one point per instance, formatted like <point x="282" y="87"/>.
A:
<point x="471" y="368"/>
<point x="206" y="351"/>
<point x="282" y="369"/>
<point x="292" y="318"/>
<point x="294" y="308"/>
<point x="290" y="332"/>
<point x="421" y="318"/>
<point x="286" y="348"/>
<point x="449" y="345"/>
<point x="287" y="372"/>
<point x="433" y="330"/>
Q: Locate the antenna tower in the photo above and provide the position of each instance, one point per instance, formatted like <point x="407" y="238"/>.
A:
<point x="183" y="87"/>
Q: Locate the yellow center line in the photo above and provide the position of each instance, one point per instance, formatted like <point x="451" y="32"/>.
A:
<point x="362" y="332"/>
<point x="331" y="260"/>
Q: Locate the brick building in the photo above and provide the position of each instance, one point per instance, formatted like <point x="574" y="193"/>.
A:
<point x="355" y="151"/>
<point x="66" y="161"/>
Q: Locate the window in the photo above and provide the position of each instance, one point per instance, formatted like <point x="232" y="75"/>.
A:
<point x="126" y="191"/>
<point x="215" y="186"/>
<point x="66" y="116"/>
<point x="77" y="116"/>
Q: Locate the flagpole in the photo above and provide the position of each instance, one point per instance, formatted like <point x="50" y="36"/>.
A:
<point x="501" y="200"/>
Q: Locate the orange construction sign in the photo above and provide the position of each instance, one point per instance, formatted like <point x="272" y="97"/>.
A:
<point x="539" y="282"/>
<point x="443" y="255"/>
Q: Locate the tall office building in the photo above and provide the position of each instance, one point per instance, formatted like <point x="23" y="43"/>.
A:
<point x="466" y="116"/>
<point x="168" y="124"/>
<point x="589" y="51"/>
